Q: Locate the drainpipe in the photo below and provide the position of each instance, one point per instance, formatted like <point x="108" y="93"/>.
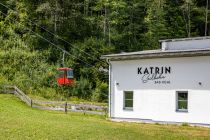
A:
<point x="110" y="89"/>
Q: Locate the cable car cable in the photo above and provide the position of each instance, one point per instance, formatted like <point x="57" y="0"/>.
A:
<point x="54" y="34"/>
<point x="52" y="43"/>
<point x="98" y="60"/>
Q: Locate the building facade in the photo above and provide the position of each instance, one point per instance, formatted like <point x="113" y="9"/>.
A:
<point x="170" y="85"/>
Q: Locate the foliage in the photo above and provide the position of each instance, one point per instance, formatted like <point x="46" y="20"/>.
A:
<point x="100" y="92"/>
<point x="82" y="88"/>
<point x="86" y="29"/>
<point x="185" y="124"/>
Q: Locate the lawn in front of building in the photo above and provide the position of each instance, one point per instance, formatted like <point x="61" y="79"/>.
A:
<point x="18" y="121"/>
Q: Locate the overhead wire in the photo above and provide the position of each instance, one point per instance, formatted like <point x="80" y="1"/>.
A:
<point x="55" y="35"/>
<point x="51" y="42"/>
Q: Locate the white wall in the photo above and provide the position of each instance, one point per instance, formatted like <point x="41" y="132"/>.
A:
<point x="158" y="101"/>
<point x="187" y="44"/>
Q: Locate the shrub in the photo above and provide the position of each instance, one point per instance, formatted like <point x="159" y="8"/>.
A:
<point x="100" y="93"/>
<point x="82" y="89"/>
<point x="185" y="124"/>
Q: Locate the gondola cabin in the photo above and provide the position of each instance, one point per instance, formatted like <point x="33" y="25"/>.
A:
<point x="65" y="76"/>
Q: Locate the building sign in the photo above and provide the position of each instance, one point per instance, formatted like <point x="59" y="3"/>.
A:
<point x="158" y="75"/>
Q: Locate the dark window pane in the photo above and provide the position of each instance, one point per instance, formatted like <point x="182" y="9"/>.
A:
<point x="128" y="99"/>
<point x="61" y="74"/>
<point x="70" y="74"/>
<point x="182" y="101"/>
<point x="128" y="95"/>
<point x="129" y="103"/>
<point x="182" y="104"/>
<point x="182" y="96"/>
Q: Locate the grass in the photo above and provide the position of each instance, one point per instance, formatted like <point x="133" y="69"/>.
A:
<point x="18" y="121"/>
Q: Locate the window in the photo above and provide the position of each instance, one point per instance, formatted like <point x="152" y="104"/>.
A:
<point x="182" y="101"/>
<point x="128" y="100"/>
<point x="61" y="74"/>
<point x="70" y="74"/>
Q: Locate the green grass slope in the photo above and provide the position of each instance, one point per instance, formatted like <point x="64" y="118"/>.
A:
<point x="18" y="121"/>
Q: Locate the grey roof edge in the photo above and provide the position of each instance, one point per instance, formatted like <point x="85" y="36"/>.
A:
<point x="158" y="54"/>
<point x="133" y="53"/>
<point x="185" y="39"/>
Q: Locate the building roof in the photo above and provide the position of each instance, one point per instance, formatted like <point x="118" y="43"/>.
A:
<point x="185" y="39"/>
<point x="149" y="54"/>
<point x="62" y="69"/>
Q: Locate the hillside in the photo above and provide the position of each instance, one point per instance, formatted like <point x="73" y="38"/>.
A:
<point x="19" y="121"/>
<point x="35" y="34"/>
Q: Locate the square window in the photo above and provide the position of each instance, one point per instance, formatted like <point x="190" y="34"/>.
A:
<point x="182" y="101"/>
<point x="128" y="100"/>
<point x="70" y="74"/>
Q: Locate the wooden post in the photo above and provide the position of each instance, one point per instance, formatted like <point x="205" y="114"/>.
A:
<point x="66" y="107"/>
<point x="31" y="103"/>
<point x="84" y="109"/>
<point x="4" y="89"/>
<point x="15" y="89"/>
<point x="106" y="111"/>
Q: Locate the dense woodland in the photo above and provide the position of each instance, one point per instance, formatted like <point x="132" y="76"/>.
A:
<point x="32" y="31"/>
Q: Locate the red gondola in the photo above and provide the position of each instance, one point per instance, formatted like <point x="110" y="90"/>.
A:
<point x="65" y="77"/>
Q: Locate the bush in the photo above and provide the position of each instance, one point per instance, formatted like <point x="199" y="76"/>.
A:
<point x="185" y="124"/>
<point x="82" y="89"/>
<point x="100" y="93"/>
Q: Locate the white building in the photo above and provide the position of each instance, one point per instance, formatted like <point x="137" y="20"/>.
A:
<point x="167" y="85"/>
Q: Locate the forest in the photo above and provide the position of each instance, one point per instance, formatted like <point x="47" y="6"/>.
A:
<point x="34" y="35"/>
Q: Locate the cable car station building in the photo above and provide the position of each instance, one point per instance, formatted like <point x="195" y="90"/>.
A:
<point x="168" y="85"/>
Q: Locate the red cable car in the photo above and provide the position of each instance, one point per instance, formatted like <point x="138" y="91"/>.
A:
<point x="65" y="77"/>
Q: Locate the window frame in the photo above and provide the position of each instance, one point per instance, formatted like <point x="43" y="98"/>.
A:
<point x="124" y="101"/>
<point x="177" y="101"/>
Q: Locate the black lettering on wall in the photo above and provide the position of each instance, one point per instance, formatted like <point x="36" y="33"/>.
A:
<point x="151" y="69"/>
<point x="161" y="70"/>
<point x="146" y="71"/>
<point x="157" y="70"/>
<point x="154" y="70"/>
<point x="139" y="70"/>
<point x="167" y="70"/>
